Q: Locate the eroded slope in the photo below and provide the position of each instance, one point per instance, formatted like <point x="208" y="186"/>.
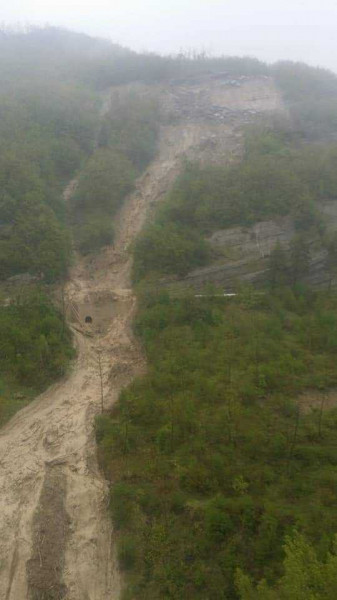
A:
<point x="55" y="532"/>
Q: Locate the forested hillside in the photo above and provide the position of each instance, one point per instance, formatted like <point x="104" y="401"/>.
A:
<point x="222" y="457"/>
<point x="126" y="143"/>
<point x="277" y="177"/>
<point x="47" y="130"/>
<point x="311" y="96"/>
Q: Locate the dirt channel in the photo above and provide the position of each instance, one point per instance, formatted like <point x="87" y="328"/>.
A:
<point x="56" y="538"/>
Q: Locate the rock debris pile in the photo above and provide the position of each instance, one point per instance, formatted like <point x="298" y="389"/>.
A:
<point x="192" y="102"/>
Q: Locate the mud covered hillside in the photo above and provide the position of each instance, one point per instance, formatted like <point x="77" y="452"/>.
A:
<point x="67" y="256"/>
<point x="166" y="443"/>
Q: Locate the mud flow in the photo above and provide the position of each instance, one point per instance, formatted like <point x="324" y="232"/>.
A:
<point x="97" y="311"/>
<point x="56" y="538"/>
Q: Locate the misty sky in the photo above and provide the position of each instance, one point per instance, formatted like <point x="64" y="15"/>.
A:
<point x="269" y="29"/>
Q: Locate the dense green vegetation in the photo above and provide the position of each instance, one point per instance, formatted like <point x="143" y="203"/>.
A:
<point x="216" y="462"/>
<point x="168" y="247"/>
<point x="126" y="144"/>
<point x="311" y="95"/>
<point x="217" y="458"/>
<point x="131" y="126"/>
<point x="45" y="133"/>
<point x="305" y="575"/>
<point x="106" y="179"/>
<point x="47" y="128"/>
<point x="35" y="348"/>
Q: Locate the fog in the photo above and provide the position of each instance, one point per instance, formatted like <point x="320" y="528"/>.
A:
<point x="270" y="30"/>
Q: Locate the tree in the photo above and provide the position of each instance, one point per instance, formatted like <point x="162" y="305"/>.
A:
<point x="305" y="576"/>
<point x="169" y="248"/>
<point x="299" y="258"/>
<point x="332" y="258"/>
<point x="278" y="266"/>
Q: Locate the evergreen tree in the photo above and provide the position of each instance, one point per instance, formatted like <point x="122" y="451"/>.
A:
<point x="332" y="258"/>
<point x="305" y="576"/>
<point x="299" y="257"/>
<point x="278" y="266"/>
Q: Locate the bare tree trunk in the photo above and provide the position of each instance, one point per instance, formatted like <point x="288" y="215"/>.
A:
<point x="101" y="379"/>
<point x="320" y="418"/>
<point x="294" y="440"/>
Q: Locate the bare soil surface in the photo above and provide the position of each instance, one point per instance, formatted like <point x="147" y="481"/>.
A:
<point x="56" y="538"/>
<point x="315" y="400"/>
<point x="45" y="568"/>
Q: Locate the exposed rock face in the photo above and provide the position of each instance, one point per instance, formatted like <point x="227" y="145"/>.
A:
<point x="254" y="242"/>
<point x="223" y="99"/>
<point x="246" y="250"/>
